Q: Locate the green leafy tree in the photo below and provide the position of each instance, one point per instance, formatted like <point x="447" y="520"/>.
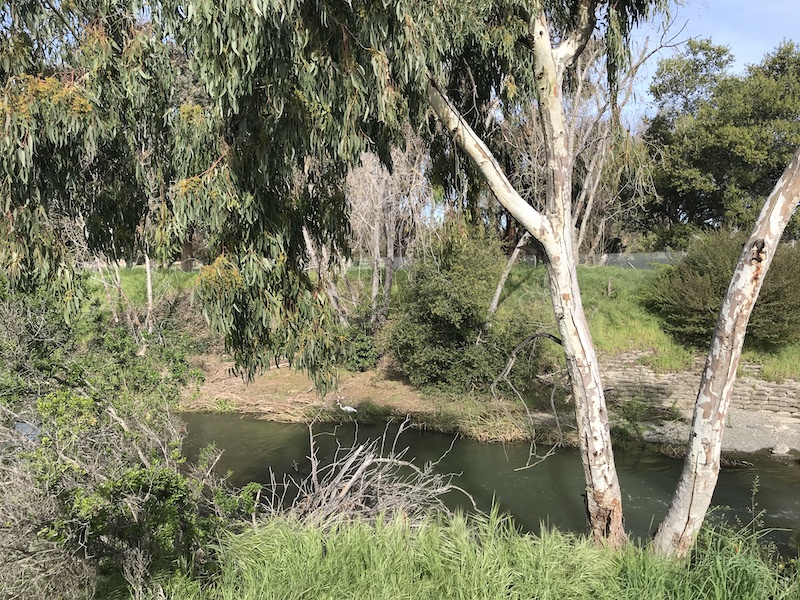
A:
<point x="721" y="140"/>
<point x="98" y="133"/>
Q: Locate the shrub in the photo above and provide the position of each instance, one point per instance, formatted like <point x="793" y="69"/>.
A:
<point x="688" y="296"/>
<point x="90" y="454"/>
<point x="440" y="336"/>
<point x="361" y="352"/>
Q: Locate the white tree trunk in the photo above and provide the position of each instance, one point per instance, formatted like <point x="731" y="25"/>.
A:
<point x="554" y="231"/>
<point x="692" y="496"/>
<point x="149" y="274"/>
<point x="388" y="277"/>
<point x="377" y="225"/>
<point x="331" y="291"/>
<point x="603" y="494"/>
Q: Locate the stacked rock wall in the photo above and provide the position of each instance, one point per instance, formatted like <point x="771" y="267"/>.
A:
<point x="625" y="377"/>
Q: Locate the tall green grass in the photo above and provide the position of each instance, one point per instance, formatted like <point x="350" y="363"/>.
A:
<point x="618" y="321"/>
<point x="776" y="366"/>
<point x="134" y="283"/>
<point x="472" y="558"/>
<point x="611" y="299"/>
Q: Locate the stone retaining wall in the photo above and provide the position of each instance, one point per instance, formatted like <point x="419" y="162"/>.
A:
<point x="624" y="377"/>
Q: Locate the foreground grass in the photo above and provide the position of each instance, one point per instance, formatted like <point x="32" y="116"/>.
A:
<point x="471" y="558"/>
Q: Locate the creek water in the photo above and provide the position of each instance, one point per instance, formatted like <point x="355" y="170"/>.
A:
<point x="549" y="492"/>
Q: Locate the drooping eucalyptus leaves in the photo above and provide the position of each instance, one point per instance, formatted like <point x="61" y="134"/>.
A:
<point x="297" y="90"/>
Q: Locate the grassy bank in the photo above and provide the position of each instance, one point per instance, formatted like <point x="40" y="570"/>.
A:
<point x="472" y="558"/>
<point x="618" y="321"/>
<point x="612" y="298"/>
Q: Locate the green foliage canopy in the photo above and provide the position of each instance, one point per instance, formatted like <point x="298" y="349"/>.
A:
<point x="722" y="140"/>
<point x="297" y="90"/>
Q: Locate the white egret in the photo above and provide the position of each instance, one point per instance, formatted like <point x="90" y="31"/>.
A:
<point x="345" y="408"/>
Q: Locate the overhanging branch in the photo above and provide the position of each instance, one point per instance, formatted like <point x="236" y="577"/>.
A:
<point x="573" y="45"/>
<point x="477" y="150"/>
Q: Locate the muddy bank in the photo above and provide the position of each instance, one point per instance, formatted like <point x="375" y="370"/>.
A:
<point x="284" y="395"/>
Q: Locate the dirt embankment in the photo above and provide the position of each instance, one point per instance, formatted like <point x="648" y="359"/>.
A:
<point x="285" y="395"/>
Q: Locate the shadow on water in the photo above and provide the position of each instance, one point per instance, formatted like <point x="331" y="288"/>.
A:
<point x="550" y="492"/>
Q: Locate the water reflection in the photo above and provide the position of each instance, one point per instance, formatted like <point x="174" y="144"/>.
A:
<point x="550" y="492"/>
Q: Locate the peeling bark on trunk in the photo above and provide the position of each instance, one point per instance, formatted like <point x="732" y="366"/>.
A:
<point x="554" y="231"/>
<point x="603" y="494"/>
<point x="689" y="504"/>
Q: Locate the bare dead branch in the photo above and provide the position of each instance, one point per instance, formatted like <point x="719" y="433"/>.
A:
<point x="363" y="481"/>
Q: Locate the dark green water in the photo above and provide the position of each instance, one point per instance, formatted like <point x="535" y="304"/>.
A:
<point x="549" y="492"/>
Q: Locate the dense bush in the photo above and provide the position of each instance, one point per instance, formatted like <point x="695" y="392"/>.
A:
<point x="361" y="349"/>
<point x="688" y="296"/>
<point x="439" y="336"/>
<point x="90" y="455"/>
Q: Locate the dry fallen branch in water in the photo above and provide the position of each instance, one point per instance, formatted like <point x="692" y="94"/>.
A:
<point x="364" y="481"/>
<point x="531" y="341"/>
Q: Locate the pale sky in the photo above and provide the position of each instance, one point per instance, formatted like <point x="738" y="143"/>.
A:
<point x="750" y="28"/>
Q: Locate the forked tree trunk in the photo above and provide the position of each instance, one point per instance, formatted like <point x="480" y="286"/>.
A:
<point x="692" y="496"/>
<point x="554" y="231"/>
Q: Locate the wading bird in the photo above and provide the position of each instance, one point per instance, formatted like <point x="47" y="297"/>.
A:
<point x="345" y="408"/>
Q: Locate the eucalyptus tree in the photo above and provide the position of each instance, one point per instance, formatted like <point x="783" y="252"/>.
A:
<point x="83" y="91"/>
<point x="610" y="166"/>
<point x="384" y="68"/>
<point x="300" y="80"/>
<point x="692" y="497"/>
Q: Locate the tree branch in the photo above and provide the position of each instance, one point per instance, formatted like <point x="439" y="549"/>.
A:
<point x="573" y="45"/>
<point x="477" y="150"/>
